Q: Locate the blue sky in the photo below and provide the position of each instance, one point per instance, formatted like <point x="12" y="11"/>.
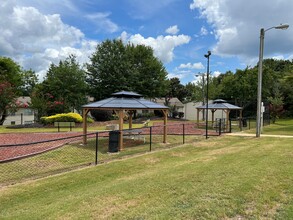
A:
<point x="36" y="33"/>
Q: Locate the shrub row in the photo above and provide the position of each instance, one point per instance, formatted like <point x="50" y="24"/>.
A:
<point x="64" y="117"/>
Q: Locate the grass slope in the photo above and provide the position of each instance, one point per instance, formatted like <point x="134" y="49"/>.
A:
<point x="221" y="178"/>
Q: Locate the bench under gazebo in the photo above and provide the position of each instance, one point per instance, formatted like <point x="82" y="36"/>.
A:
<point x="122" y="102"/>
<point x="219" y="104"/>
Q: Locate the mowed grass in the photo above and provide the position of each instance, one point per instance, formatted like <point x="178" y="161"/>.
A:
<point x="78" y="128"/>
<point x="281" y="127"/>
<point x="75" y="155"/>
<point x="219" y="178"/>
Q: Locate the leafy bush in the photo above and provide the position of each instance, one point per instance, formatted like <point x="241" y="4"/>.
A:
<point x="101" y="115"/>
<point x="65" y="117"/>
<point x="175" y="114"/>
<point x="180" y="114"/>
<point x="89" y="120"/>
<point x="145" y="115"/>
<point x="159" y="113"/>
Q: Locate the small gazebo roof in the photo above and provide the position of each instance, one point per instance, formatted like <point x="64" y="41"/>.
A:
<point x="120" y="102"/>
<point x="220" y="104"/>
<point x="125" y="100"/>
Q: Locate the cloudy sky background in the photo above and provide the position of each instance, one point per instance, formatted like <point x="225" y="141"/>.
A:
<point x="36" y="33"/>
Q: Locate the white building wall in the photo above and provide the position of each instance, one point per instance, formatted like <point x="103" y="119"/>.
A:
<point x="190" y="112"/>
<point x="21" y="116"/>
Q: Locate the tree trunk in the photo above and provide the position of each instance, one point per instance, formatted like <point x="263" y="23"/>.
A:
<point x="3" y="117"/>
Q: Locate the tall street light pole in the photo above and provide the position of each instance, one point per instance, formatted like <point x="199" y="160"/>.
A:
<point x="259" y="86"/>
<point x="207" y="99"/>
<point x="203" y="93"/>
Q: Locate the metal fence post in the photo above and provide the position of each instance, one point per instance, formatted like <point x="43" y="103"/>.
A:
<point x="151" y="138"/>
<point x="220" y="127"/>
<point x="183" y="133"/>
<point x="97" y="148"/>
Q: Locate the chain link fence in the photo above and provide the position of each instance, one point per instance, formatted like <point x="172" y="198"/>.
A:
<point x="47" y="154"/>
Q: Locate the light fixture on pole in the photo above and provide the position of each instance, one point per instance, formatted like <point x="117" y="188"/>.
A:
<point x="259" y="85"/>
<point x="207" y="99"/>
<point x="203" y="93"/>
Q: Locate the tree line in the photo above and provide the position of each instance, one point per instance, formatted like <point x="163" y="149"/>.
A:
<point x="115" y="66"/>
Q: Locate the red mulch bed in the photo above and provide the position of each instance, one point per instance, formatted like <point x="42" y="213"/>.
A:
<point x="18" y="141"/>
<point x="18" y="149"/>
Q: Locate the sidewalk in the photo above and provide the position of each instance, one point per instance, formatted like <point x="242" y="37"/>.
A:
<point x="262" y="135"/>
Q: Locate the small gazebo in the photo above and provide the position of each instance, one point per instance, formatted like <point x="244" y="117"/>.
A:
<point x="219" y="104"/>
<point x="122" y="102"/>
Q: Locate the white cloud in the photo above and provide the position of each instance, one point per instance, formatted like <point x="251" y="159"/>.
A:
<point x="191" y="66"/>
<point x="216" y="73"/>
<point x="237" y="25"/>
<point x="172" y="30"/>
<point x="163" y="46"/>
<point x="203" y="31"/>
<point x="176" y="75"/>
<point x="35" y="40"/>
<point x="102" y="22"/>
<point x="279" y="57"/>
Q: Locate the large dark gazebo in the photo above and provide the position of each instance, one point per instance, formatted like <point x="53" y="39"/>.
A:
<point x="219" y="104"/>
<point x="121" y="102"/>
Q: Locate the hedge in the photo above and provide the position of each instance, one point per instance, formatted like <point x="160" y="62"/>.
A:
<point x="64" y="117"/>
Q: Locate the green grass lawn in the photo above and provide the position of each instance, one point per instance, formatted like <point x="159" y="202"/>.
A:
<point x="75" y="155"/>
<point x="281" y="127"/>
<point x="219" y="178"/>
<point x="90" y="128"/>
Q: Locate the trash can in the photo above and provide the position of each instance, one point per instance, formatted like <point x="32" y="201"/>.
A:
<point x="244" y="122"/>
<point x="220" y="123"/>
<point x="114" y="141"/>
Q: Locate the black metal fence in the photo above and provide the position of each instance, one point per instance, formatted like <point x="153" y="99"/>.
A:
<point x="247" y="123"/>
<point x="50" y="153"/>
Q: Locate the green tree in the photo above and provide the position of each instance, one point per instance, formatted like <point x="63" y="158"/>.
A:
<point x="176" y="89"/>
<point x="108" y="70"/>
<point x="30" y="80"/>
<point x="240" y="87"/>
<point x="63" y="89"/>
<point x="287" y="93"/>
<point x="40" y="100"/>
<point x="115" y="67"/>
<point x="148" y="75"/>
<point x="276" y="107"/>
<point x="10" y="83"/>
<point x="194" y="92"/>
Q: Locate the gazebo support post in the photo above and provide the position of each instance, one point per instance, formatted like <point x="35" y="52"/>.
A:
<point x="241" y="120"/>
<point x="197" y="116"/>
<point x="84" y="125"/>
<point x="227" y="120"/>
<point x="130" y="119"/>
<point x="121" y="130"/>
<point x="213" y="115"/>
<point x="165" y="126"/>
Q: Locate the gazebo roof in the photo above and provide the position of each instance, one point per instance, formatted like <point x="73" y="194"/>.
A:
<point x="220" y="104"/>
<point x="125" y="100"/>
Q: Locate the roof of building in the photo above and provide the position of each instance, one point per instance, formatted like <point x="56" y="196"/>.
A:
<point x="124" y="100"/>
<point x="220" y="104"/>
<point x="172" y="102"/>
